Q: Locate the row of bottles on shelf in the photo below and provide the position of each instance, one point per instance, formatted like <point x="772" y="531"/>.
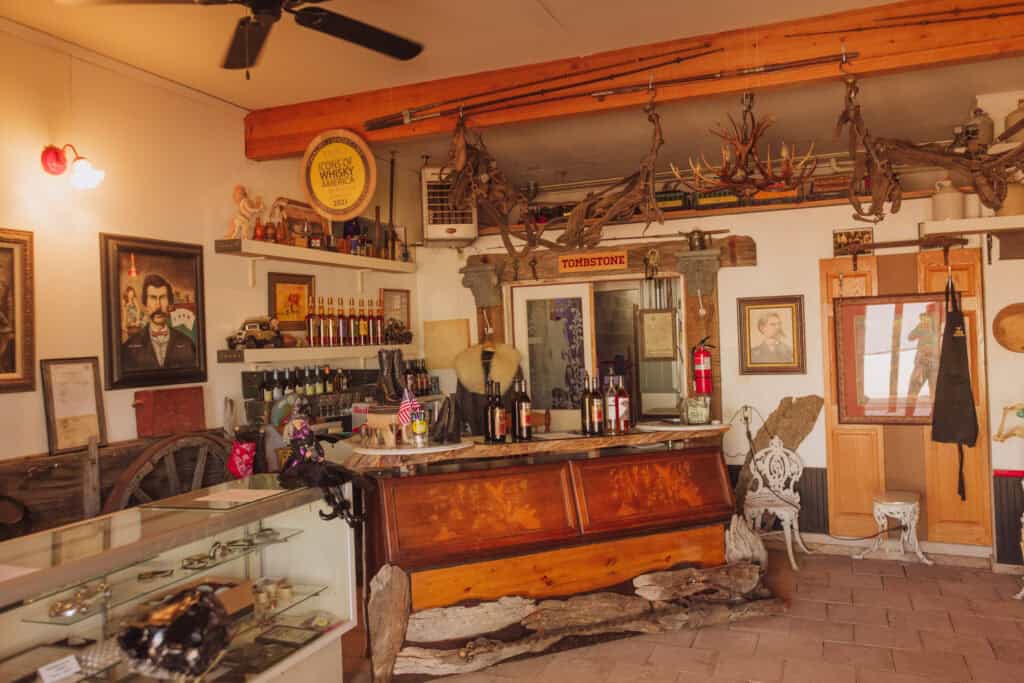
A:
<point x="604" y="412"/>
<point x="315" y="381"/>
<point x="327" y="326"/>
<point x="515" y="423"/>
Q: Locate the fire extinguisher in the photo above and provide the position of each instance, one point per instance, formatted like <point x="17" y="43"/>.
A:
<point x="701" y="355"/>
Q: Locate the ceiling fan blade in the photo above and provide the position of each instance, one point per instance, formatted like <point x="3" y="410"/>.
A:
<point x="247" y="42"/>
<point x="357" y="32"/>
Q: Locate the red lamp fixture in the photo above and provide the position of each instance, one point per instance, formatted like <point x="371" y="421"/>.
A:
<point x="84" y="176"/>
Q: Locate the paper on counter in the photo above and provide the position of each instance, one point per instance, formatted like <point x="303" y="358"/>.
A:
<point x="237" y="495"/>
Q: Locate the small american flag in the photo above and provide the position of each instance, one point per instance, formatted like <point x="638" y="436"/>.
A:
<point x="407" y="407"/>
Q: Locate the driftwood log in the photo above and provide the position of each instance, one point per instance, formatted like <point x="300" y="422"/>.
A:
<point x="390" y="601"/>
<point x="668" y="601"/>
<point x="453" y="623"/>
<point x="792" y="421"/>
<point x="484" y="652"/>
<point x="729" y="582"/>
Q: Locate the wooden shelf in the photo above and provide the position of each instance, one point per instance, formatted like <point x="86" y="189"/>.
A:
<point x="972" y="225"/>
<point x="731" y="210"/>
<point x="284" y="252"/>
<point x="307" y="354"/>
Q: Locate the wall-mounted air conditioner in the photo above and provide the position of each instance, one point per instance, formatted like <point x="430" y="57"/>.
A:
<point x="443" y="225"/>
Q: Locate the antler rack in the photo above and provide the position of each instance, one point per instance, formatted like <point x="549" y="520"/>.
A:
<point x="742" y="170"/>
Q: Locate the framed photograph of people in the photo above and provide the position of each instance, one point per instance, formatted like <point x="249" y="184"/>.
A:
<point x="771" y="335"/>
<point x="288" y="297"/>
<point x="17" y="312"/>
<point x="154" y="329"/>
<point x="887" y="357"/>
<point x="73" y="401"/>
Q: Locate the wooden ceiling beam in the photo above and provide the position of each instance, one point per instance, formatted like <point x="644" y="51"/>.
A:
<point x="902" y="45"/>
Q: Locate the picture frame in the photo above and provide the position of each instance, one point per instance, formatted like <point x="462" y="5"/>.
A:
<point x="152" y="291"/>
<point x="658" y="334"/>
<point x="396" y="305"/>
<point x="73" y="403"/>
<point x="17" y="311"/>
<point x="771" y="335"/>
<point x="869" y="365"/>
<point x="288" y="299"/>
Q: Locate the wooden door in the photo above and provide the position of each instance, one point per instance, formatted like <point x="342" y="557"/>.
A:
<point x="855" y="454"/>
<point x="949" y="519"/>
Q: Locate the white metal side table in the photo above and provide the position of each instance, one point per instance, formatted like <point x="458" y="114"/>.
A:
<point x="905" y="507"/>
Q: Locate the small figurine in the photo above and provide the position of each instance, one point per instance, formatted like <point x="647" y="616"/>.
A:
<point x="248" y="209"/>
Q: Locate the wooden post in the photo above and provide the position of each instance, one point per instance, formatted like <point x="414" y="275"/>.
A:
<point x="91" y="480"/>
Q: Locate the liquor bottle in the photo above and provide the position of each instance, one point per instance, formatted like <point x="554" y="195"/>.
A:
<point x="380" y="322"/>
<point x="489" y="412"/>
<point x="596" y="408"/>
<point x="312" y="324"/>
<point x="320" y="382"/>
<point x="288" y="387"/>
<point x="277" y="389"/>
<point x="344" y="335"/>
<point x="311" y="382"/>
<point x="611" y="413"/>
<point x="330" y="325"/>
<point x="364" y="324"/>
<point x="266" y="388"/>
<point x="523" y="417"/>
<point x="498" y="415"/>
<point x="299" y="383"/>
<point x="423" y="378"/>
<point x="622" y="407"/>
<point x="327" y="380"/>
<point x="585" y="427"/>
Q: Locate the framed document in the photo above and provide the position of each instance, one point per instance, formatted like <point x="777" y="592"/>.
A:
<point x="73" y="402"/>
<point x="658" y="334"/>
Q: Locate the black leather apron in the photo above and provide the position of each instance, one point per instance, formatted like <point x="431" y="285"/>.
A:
<point x="954" y="419"/>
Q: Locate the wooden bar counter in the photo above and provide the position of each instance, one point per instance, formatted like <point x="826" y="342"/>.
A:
<point x="550" y="517"/>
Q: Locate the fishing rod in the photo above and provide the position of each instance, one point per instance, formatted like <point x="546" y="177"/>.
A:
<point x="955" y="10"/>
<point x="905" y="24"/>
<point x="407" y="117"/>
<point x="729" y="73"/>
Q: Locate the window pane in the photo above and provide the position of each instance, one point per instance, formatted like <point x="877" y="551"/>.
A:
<point x="557" y="363"/>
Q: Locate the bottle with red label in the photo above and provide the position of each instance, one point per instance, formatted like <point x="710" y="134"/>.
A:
<point x="522" y="419"/>
<point x="611" y="407"/>
<point x="596" y="407"/>
<point x="498" y="428"/>
<point x="622" y="406"/>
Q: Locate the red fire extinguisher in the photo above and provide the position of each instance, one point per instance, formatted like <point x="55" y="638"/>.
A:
<point x="701" y="353"/>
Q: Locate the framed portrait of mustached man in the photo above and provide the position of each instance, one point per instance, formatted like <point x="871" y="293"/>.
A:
<point x="154" y="327"/>
<point x="17" y="312"/>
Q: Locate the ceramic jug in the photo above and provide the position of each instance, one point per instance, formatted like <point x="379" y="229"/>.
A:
<point x="947" y="202"/>
<point x="1012" y="118"/>
<point x="1013" y="205"/>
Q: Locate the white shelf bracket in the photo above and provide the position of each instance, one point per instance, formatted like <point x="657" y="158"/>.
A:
<point x="252" y="271"/>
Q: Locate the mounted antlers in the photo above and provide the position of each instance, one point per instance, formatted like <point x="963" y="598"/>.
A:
<point x="742" y="170"/>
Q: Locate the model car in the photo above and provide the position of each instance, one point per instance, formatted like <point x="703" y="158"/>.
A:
<point x="257" y="333"/>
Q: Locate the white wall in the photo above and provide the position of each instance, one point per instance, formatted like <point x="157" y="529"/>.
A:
<point x="172" y="157"/>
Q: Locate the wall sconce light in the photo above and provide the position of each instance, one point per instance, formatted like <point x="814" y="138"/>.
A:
<point x="84" y="176"/>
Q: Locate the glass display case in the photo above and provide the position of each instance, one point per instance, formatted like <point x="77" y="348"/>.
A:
<point x="66" y="593"/>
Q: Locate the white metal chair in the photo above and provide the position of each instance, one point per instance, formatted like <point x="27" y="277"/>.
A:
<point x="776" y="471"/>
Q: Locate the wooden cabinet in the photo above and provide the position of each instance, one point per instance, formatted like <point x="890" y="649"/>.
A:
<point x="452" y="518"/>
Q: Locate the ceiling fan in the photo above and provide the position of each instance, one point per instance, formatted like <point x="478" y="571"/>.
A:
<point x="252" y="31"/>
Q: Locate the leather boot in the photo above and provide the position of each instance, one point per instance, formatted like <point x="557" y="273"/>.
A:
<point x="396" y="373"/>
<point x="385" y="390"/>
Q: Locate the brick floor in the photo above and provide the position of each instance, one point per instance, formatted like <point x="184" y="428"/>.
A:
<point x="850" y="621"/>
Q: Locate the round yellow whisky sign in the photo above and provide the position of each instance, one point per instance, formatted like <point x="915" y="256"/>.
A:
<point x="339" y="174"/>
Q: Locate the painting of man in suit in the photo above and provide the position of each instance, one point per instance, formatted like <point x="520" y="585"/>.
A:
<point x="153" y="310"/>
<point x="157" y="344"/>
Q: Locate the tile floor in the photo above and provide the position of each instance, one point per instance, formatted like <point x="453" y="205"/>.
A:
<point x="850" y="621"/>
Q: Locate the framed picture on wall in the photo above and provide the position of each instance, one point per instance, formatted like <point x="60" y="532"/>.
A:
<point x="288" y="297"/>
<point x="658" y="334"/>
<point x="771" y="333"/>
<point x="887" y="357"/>
<point x="396" y="306"/>
<point x="154" y="321"/>
<point x="843" y="238"/>
<point x="17" y="312"/>
<point x="73" y="401"/>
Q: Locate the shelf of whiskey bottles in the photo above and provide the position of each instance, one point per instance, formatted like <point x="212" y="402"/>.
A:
<point x="330" y="326"/>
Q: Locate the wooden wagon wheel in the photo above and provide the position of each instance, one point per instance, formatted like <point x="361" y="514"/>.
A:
<point x="176" y="464"/>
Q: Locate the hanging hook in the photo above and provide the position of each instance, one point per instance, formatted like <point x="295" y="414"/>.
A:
<point x="844" y="60"/>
